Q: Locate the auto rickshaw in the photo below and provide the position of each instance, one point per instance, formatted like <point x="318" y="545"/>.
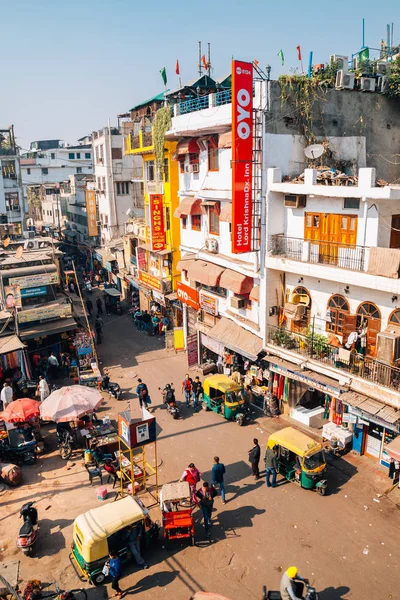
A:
<point x="176" y="509"/>
<point x="112" y="300"/>
<point x="300" y="459"/>
<point x="104" y="529"/>
<point x="223" y="396"/>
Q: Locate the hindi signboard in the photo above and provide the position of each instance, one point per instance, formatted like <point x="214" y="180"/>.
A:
<point x="157" y="222"/>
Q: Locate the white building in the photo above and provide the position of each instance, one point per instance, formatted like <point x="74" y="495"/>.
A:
<point x="12" y="210"/>
<point x="73" y="202"/>
<point x="333" y="304"/>
<point x="118" y="181"/>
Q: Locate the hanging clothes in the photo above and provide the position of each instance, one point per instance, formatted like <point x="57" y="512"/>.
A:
<point x="327" y="402"/>
<point x="281" y="386"/>
<point x="339" y="412"/>
<point x="275" y="385"/>
<point x="285" y="397"/>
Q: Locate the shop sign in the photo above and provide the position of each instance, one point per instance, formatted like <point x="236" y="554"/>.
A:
<point x="141" y="258"/>
<point x="321" y="387"/>
<point x="348" y="418"/>
<point x="34" y="291"/>
<point x="208" y="304"/>
<point x="187" y="295"/>
<point x="149" y="280"/>
<point x="91" y="211"/>
<point x="192" y="350"/>
<point x="45" y="313"/>
<point x="157" y="222"/>
<point x="160" y="298"/>
<point x="39" y="279"/>
<point x="12" y="296"/>
<point x="242" y="155"/>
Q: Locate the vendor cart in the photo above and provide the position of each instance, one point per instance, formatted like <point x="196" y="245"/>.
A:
<point x="112" y="300"/>
<point x="176" y="516"/>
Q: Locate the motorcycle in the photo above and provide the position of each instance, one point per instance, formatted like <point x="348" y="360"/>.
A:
<point x="311" y="593"/>
<point x="27" y="535"/>
<point x="23" y="454"/>
<point x="168" y="394"/>
<point x="114" y="389"/>
<point x="65" y="442"/>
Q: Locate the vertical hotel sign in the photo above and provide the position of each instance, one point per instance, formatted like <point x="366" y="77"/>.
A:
<point x="91" y="211"/>
<point x="242" y="156"/>
<point x="157" y="222"/>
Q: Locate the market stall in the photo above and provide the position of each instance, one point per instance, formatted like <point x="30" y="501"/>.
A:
<point x="86" y="371"/>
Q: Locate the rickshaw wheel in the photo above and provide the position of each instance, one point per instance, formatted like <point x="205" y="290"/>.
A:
<point x="204" y="406"/>
<point x="239" y="419"/>
<point x="321" y="491"/>
<point x="98" y="579"/>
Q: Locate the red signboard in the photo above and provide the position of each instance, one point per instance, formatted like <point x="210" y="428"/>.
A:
<point x="157" y="222"/>
<point x="242" y="155"/>
<point x="187" y="295"/>
<point x="192" y="350"/>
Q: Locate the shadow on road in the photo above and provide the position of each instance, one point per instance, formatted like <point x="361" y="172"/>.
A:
<point x="339" y="472"/>
<point x="50" y="543"/>
<point x="149" y="582"/>
<point x="334" y="593"/>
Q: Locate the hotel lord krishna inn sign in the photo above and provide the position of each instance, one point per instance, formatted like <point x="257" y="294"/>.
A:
<point x="242" y="156"/>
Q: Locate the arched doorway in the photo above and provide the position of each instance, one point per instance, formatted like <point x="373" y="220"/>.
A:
<point x="338" y="307"/>
<point x="369" y="316"/>
<point x="304" y="299"/>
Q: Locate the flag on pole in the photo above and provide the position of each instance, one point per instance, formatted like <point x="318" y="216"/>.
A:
<point x="177" y="67"/>
<point x="204" y="61"/>
<point x="164" y="75"/>
<point x="280" y="54"/>
<point x="298" y="52"/>
<point x="255" y="62"/>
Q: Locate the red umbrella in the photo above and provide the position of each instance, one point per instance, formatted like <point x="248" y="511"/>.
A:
<point x="20" y="410"/>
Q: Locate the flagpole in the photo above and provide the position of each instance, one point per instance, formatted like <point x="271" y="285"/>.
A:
<point x="180" y="82"/>
<point x="301" y="64"/>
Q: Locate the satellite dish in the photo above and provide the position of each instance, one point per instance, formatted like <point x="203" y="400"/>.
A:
<point x="130" y="212"/>
<point x="314" y="151"/>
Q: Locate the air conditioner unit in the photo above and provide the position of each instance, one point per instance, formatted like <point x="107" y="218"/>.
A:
<point x="189" y="168"/>
<point x="293" y="201"/>
<point x="341" y="61"/>
<point x="367" y="84"/>
<point x="195" y="168"/>
<point x="28" y="235"/>
<point x="31" y="245"/>
<point x="344" y="80"/>
<point x="382" y="85"/>
<point x="212" y="245"/>
<point x="238" y="301"/>
<point x="388" y="347"/>
<point x="382" y="67"/>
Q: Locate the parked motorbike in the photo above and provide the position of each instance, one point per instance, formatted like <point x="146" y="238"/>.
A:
<point x="114" y="389"/>
<point x="311" y="593"/>
<point x="65" y="443"/>
<point x="27" y="535"/>
<point x="23" y="454"/>
<point x="88" y="286"/>
<point x="168" y="394"/>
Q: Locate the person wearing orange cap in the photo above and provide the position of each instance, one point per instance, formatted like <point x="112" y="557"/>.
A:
<point x="288" y="584"/>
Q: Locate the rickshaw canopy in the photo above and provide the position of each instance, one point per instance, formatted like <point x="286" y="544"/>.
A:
<point x="112" y="292"/>
<point x="295" y="441"/>
<point x="220" y="382"/>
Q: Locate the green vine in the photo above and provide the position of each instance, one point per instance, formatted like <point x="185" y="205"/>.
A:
<point x="393" y="90"/>
<point x="162" y="123"/>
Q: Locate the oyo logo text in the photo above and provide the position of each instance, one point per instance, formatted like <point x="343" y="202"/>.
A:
<point x="243" y="116"/>
<point x="182" y="295"/>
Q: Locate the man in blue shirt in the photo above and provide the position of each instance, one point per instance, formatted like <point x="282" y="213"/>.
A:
<point x="115" y="566"/>
<point x="217" y="473"/>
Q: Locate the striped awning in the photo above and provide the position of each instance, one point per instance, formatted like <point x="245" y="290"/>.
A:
<point x="371" y="406"/>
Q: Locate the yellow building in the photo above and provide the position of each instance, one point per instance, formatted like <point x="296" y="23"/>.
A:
<point x="156" y="269"/>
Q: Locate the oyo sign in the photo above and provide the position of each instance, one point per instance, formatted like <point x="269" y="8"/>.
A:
<point x="242" y="156"/>
<point x="187" y="295"/>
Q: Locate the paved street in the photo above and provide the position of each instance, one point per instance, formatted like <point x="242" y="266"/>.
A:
<point x="346" y="542"/>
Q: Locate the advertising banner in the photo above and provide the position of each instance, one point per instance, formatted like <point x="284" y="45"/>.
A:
<point x="157" y="222"/>
<point x="12" y="296"/>
<point x="208" y="304"/>
<point x="149" y="280"/>
<point x="39" y="279"/>
<point x="35" y="291"/>
<point x="187" y="295"/>
<point x="45" y="313"/>
<point x="192" y="351"/>
<point x="242" y="156"/>
<point x="91" y="211"/>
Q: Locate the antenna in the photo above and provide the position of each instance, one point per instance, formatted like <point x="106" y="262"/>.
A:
<point x="314" y="151"/>
<point x="209" y="59"/>
<point x="200" y="68"/>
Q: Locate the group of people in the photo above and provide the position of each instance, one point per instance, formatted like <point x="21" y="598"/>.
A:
<point x="270" y="460"/>
<point x="150" y="324"/>
<point x="192" y="390"/>
<point x="49" y="367"/>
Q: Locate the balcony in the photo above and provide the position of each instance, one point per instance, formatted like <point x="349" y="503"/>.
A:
<point x="319" y="252"/>
<point x="315" y="346"/>
<point x="201" y="102"/>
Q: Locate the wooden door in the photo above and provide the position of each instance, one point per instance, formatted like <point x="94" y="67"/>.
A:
<point x="312" y="226"/>
<point x="349" y="325"/>
<point x="348" y="230"/>
<point x="374" y="327"/>
<point x="395" y="232"/>
<point x="330" y="235"/>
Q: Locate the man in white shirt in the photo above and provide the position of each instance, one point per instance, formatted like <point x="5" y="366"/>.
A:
<point x="6" y="395"/>
<point x="43" y="388"/>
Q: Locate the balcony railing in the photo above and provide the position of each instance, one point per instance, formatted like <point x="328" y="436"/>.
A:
<point x="321" y="252"/>
<point x="192" y="105"/>
<point x="313" y="345"/>
<point x="224" y="97"/>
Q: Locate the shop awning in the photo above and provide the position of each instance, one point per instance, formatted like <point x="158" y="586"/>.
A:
<point x="236" y="338"/>
<point x="310" y="378"/>
<point x="188" y="206"/>
<point x="205" y="272"/>
<point x="255" y="293"/>
<point x="187" y="146"/>
<point x="43" y="329"/>
<point x="30" y="270"/>
<point x="236" y="282"/>
<point x="226" y="213"/>
<point x="393" y="449"/>
<point x="10" y="344"/>
<point x="225" y="139"/>
<point x="372" y="407"/>
<point x="185" y="262"/>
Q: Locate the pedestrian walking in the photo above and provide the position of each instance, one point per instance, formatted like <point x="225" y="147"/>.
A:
<point x="206" y="496"/>
<point x="43" y="388"/>
<point x="192" y="475"/>
<point x="143" y="394"/>
<point x="53" y="364"/>
<point x="99" y="305"/>
<point x="146" y="319"/>
<point x="164" y="324"/>
<point x="6" y="395"/>
<point x="197" y="389"/>
<point x="254" y="458"/>
<point x="89" y="306"/>
<point x="271" y="466"/>
<point x="98" y="325"/>
<point x="217" y="474"/>
<point x="65" y="363"/>
<point x="187" y="388"/>
<point x="138" y="319"/>
<point x="135" y="533"/>
<point x="115" y="567"/>
<point x="155" y="322"/>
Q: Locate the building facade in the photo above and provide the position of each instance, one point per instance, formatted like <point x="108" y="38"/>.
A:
<point x="12" y="208"/>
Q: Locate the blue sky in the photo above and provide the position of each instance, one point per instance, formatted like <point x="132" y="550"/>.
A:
<point x="68" y="67"/>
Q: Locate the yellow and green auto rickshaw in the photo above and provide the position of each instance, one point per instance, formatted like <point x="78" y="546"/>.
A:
<point x="223" y="396"/>
<point x="300" y="459"/>
<point x="104" y="529"/>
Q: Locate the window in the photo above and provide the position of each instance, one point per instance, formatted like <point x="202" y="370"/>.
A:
<point x="213" y="162"/>
<point x="338" y="308"/>
<point x="52" y="155"/>
<point x="369" y="317"/>
<point x="79" y="169"/>
<point x="28" y="171"/>
<point x="196" y="222"/>
<point x="182" y="166"/>
<point x="215" y="290"/>
<point x="149" y="170"/>
<point x="122" y="188"/>
<point x="166" y="170"/>
<point x="99" y="183"/>
<point x="78" y="155"/>
<point x="12" y="201"/>
<point x="213" y="220"/>
<point x="394" y="318"/>
<point x="101" y="153"/>
<point x="369" y="309"/>
<point x="351" y="203"/>
<point x="88" y="155"/>
<point x="103" y="179"/>
<point x="97" y="154"/>
<point x="184" y="222"/>
<point x="305" y="299"/>
<point x="45" y="171"/>
<point x="193" y="158"/>
<point x="71" y="155"/>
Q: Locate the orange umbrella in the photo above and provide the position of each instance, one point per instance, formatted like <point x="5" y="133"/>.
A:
<point x="20" y="410"/>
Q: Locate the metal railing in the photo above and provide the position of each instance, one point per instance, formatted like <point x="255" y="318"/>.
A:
<point x="313" y="345"/>
<point x="194" y="104"/>
<point x="322" y="252"/>
<point x="224" y="97"/>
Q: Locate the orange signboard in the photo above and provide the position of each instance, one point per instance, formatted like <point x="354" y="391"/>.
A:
<point x="157" y="222"/>
<point x="187" y="295"/>
<point x="149" y="280"/>
<point x="242" y="156"/>
<point x="91" y="211"/>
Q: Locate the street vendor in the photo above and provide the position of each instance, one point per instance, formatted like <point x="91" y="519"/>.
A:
<point x="43" y="388"/>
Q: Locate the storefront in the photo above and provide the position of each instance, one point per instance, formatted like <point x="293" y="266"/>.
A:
<point x="87" y="370"/>
<point x="14" y="364"/>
